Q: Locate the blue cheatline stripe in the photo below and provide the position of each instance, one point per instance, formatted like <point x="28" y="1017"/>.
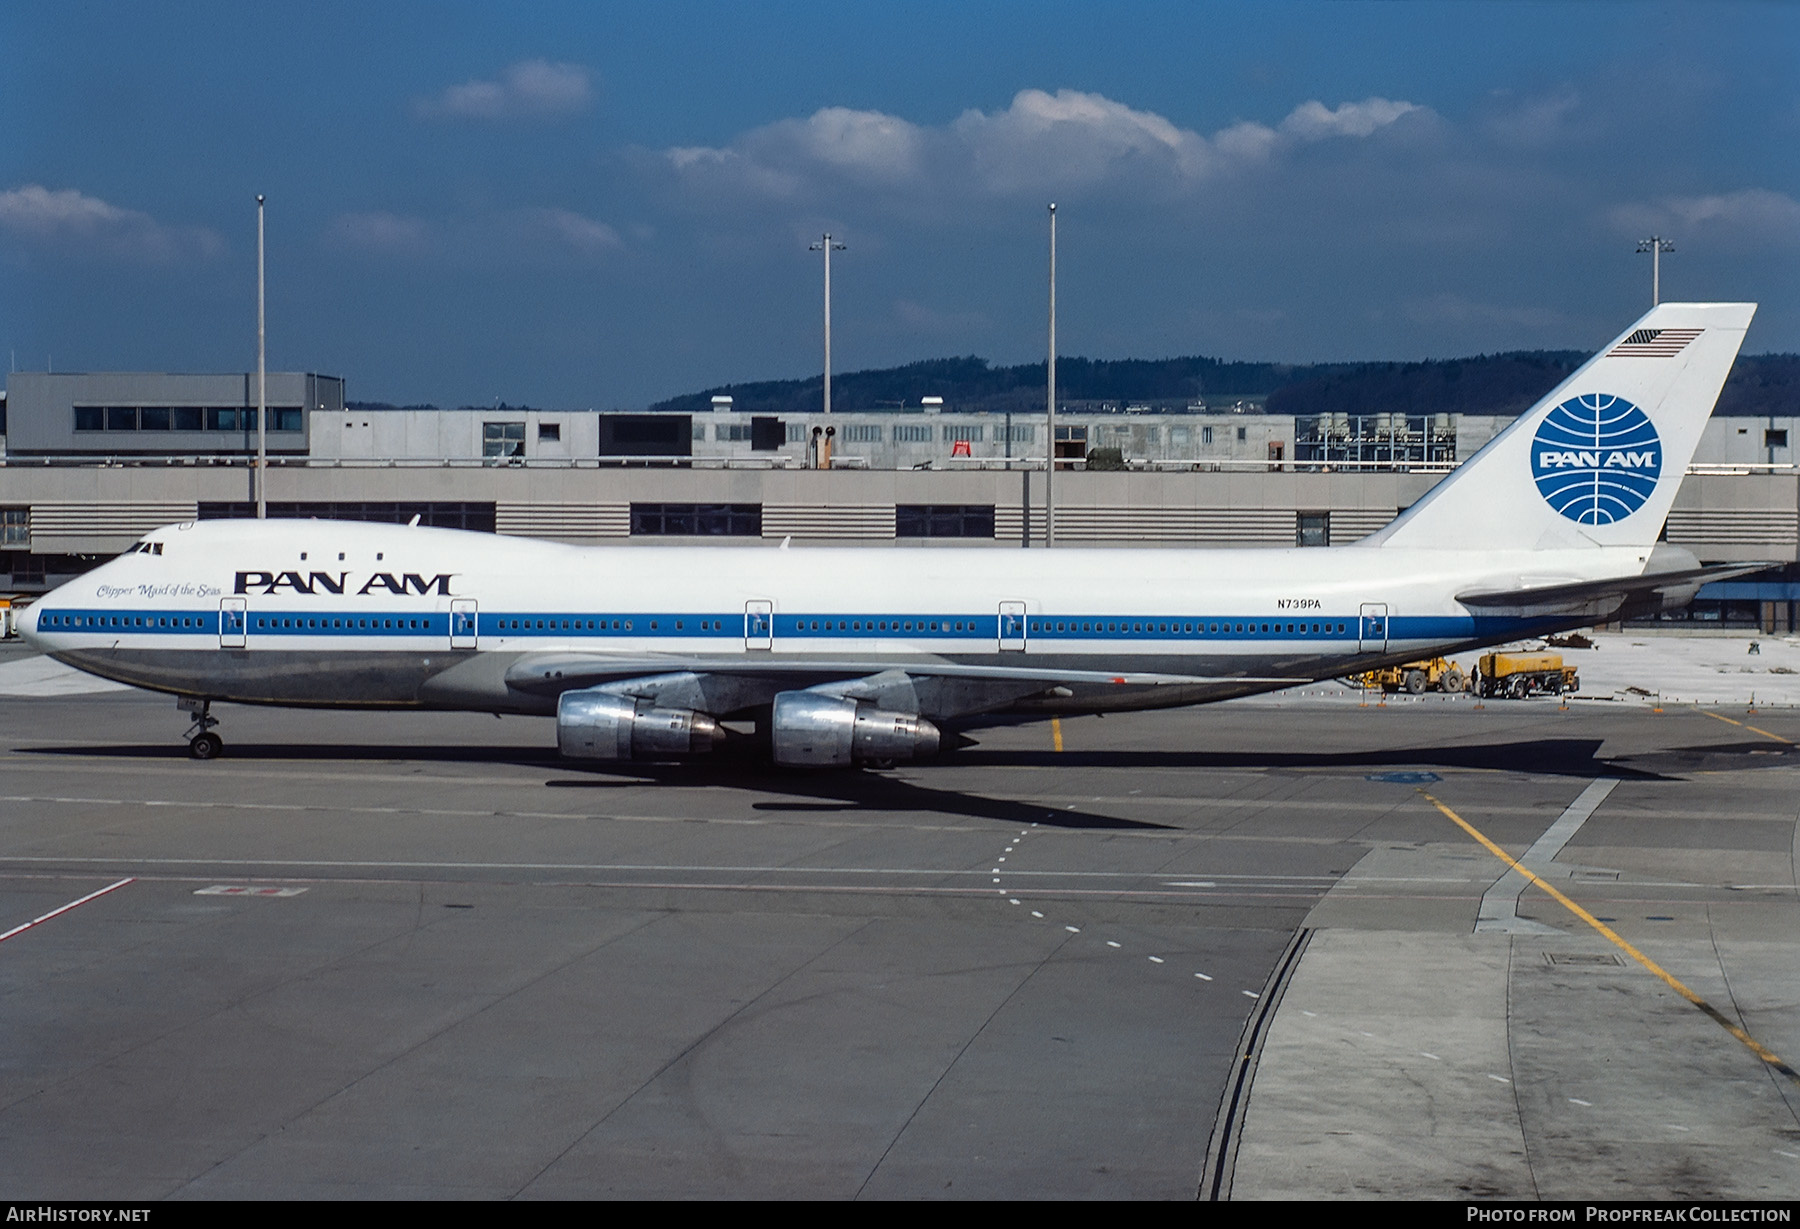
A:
<point x="133" y="622"/>
<point x="1337" y="630"/>
<point x="288" y="623"/>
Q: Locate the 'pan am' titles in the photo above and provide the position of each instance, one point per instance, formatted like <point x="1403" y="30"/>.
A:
<point x="1596" y="458"/>
<point x="337" y="582"/>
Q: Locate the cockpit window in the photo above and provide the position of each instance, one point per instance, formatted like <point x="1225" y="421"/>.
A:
<point x="145" y="548"/>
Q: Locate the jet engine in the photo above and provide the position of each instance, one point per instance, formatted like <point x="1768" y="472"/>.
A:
<point x="810" y="728"/>
<point x="598" y="725"/>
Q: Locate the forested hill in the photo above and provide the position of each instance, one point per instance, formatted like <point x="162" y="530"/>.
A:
<point x="1760" y="384"/>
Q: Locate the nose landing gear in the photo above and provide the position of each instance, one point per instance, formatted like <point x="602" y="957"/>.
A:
<point x="203" y="744"/>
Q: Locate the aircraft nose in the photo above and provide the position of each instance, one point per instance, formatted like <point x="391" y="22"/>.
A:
<point x="25" y="623"/>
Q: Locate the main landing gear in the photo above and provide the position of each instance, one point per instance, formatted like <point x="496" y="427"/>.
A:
<point x="203" y="744"/>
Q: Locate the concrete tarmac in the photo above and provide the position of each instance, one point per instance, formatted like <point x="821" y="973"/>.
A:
<point x="1229" y="952"/>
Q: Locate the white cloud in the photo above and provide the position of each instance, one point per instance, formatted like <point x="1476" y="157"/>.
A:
<point x="528" y="88"/>
<point x="1752" y="213"/>
<point x="509" y="235"/>
<point x="1070" y="138"/>
<point x="389" y="234"/>
<point x="1314" y="121"/>
<point x="867" y="142"/>
<point x="73" y="221"/>
<point x="1041" y="142"/>
<point x="582" y="234"/>
<point x="1534" y="122"/>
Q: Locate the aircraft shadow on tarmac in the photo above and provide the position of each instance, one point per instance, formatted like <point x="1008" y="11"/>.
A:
<point x="856" y="790"/>
<point x="1571" y="757"/>
<point x="850" y="791"/>
<point x="800" y="791"/>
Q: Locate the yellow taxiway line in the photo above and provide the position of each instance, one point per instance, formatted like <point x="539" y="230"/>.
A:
<point x="1674" y="983"/>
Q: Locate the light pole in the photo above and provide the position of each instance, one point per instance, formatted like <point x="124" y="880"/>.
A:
<point x="262" y="379"/>
<point x="1656" y="245"/>
<point x="826" y="244"/>
<point x="1050" y="400"/>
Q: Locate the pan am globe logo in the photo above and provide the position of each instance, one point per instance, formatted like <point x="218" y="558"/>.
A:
<point x="1596" y="458"/>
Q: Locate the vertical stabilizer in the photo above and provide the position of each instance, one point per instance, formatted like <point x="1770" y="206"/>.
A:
<point x="1597" y="461"/>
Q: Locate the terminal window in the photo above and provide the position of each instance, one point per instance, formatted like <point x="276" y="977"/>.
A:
<point x="696" y="520"/>
<point x="502" y="439"/>
<point x="183" y="418"/>
<point x="944" y="521"/>
<point x="440" y="514"/>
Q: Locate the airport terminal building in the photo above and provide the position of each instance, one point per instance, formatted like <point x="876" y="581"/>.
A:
<point x="90" y="461"/>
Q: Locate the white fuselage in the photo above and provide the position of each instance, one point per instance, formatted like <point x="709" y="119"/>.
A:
<point x="342" y="614"/>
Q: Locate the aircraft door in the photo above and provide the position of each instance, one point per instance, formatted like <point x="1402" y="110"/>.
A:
<point x="232" y="621"/>
<point x="759" y="625"/>
<point x="1012" y="627"/>
<point x="464" y="622"/>
<point x="1372" y="628"/>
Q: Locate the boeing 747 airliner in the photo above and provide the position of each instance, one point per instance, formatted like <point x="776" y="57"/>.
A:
<point x="846" y="656"/>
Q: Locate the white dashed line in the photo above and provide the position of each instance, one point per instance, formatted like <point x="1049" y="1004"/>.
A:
<point x="1427" y="1054"/>
<point x="1074" y="930"/>
<point x="1156" y="960"/>
<point x="1110" y="943"/>
<point x="1251" y="994"/>
<point x="1579" y="1101"/>
<point x="1203" y="976"/>
<point x="1035" y="913"/>
<point x="1498" y="1078"/>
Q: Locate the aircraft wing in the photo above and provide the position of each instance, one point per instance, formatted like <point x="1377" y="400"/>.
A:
<point x="1624" y="588"/>
<point x="931" y="688"/>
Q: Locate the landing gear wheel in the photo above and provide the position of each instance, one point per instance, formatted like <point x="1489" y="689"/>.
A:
<point x="203" y="744"/>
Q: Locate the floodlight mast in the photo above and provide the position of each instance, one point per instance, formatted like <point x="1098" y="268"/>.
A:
<point x="1656" y="245"/>
<point x="1050" y="400"/>
<point x="826" y="244"/>
<point x="262" y="378"/>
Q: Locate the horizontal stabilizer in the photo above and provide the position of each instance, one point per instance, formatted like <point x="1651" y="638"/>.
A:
<point x="1643" y="585"/>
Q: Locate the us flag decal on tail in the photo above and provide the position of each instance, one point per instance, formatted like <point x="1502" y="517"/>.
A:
<point x="1654" y="343"/>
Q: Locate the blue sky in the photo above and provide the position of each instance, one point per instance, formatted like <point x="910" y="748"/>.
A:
<point x="600" y="205"/>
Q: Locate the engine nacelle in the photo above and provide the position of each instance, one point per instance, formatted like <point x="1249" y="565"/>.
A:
<point x="822" y="730"/>
<point x="597" y="725"/>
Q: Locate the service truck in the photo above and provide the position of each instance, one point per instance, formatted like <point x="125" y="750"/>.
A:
<point x="1517" y="675"/>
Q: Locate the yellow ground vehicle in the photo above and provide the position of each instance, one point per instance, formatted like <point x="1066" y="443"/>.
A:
<point x="1418" y="677"/>
<point x="1517" y="675"/>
